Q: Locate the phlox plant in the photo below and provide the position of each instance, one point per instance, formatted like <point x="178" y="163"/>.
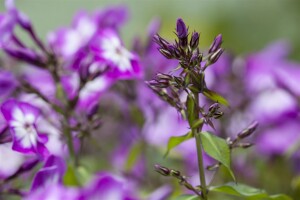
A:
<point x="81" y="119"/>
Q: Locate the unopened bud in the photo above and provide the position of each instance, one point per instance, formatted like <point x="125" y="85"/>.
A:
<point x="166" y="53"/>
<point x="216" y="44"/>
<point x="218" y="114"/>
<point x="214" y="107"/>
<point x="194" y="59"/>
<point x="163" y="76"/>
<point x="215" y="56"/>
<point x="181" y="29"/>
<point x="160" y="41"/>
<point x="194" y="40"/>
<point x="162" y="170"/>
<point x="175" y="173"/>
<point x="248" y="131"/>
<point x="182" y="33"/>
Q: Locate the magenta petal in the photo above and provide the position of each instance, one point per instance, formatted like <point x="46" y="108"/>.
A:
<point x="7" y="108"/>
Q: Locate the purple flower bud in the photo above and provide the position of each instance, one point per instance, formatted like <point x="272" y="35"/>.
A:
<point x="218" y="114"/>
<point x="215" y="56"/>
<point x="162" y="170"/>
<point x="216" y="44"/>
<point x="166" y="53"/>
<point x="194" y="40"/>
<point x="160" y="41"/>
<point x="195" y="59"/>
<point x="181" y="29"/>
<point x="214" y="107"/>
<point x="249" y="130"/>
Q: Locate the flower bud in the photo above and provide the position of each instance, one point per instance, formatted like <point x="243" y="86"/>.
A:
<point x="160" y="41"/>
<point x="216" y="44"/>
<point x="194" y="40"/>
<point x="181" y="29"/>
<point x="182" y="33"/>
<point x="194" y="59"/>
<point x="166" y="53"/>
<point x="218" y="114"/>
<point x="163" y="76"/>
<point x="162" y="170"/>
<point x="214" y="107"/>
<point x="249" y="130"/>
<point x="215" y="56"/>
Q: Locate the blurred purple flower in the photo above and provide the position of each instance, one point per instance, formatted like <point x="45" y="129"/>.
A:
<point x="51" y="174"/>
<point x="107" y="186"/>
<point x="108" y="48"/>
<point x="10" y="160"/>
<point x="21" y="118"/>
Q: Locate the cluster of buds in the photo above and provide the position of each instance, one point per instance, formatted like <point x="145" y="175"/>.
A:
<point x="176" y="174"/>
<point x="170" y="95"/>
<point x="192" y="64"/>
<point x="213" y="112"/>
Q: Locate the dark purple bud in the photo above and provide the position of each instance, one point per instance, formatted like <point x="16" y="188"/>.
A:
<point x="214" y="107"/>
<point x="218" y="114"/>
<point x="181" y="29"/>
<point x="194" y="40"/>
<point x="249" y="130"/>
<point x="215" y="56"/>
<point x="166" y="53"/>
<point x="160" y="41"/>
<point x="216" y="44"/>
<point x="162" y="170"/>
<point x="164" y="76"/>
<point x="175" y="173"/>
<point x="182" y="33"/>
<point x="194" y="59"/>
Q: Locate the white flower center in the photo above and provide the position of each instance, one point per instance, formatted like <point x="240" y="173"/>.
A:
<point x="23" y="125"/>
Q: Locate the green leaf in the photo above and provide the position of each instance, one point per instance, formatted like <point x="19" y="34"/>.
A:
<point x="83" y="175"/>
<point x="70" y="177"/>
<point x="134" y="153"/>
<point x="280" y="197"/>
<point x="242" y="190"/>
<point x="215" y="97"/>
<point x="187" y="197"/>
<point x="175" y="141"/>
<point x="197" y="123"/>
<point x="190" y="105"/>
<point x="217" y="148"/>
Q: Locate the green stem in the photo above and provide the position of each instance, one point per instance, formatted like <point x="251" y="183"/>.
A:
<point x="196" y="133"/>
<point x="70" y="144"/>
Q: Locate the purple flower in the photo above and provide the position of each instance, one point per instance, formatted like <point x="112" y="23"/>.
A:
<point x="108" y="48"/>
<point x="92" y="91"/>
<point x="68" y="41"/>
<point x="54" y="192"/>
<point x="261" y="66"/>
<point x="8" y="84"/>
<point x="107" y="186"/>
<point x="10" y="160"/>
<point x="279" y="138"/>
<point x="21" y="118"/>
<point x="113" y="17"/>
<point x="50" y="174"/>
